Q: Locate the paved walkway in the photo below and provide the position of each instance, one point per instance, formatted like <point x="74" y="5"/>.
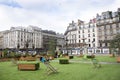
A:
<point x="83" y="61"/>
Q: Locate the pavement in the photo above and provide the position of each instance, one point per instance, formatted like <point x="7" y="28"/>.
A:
<point x="84" y="61"/>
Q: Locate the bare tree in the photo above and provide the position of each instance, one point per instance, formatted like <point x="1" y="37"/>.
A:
<point x="27" y="45"/>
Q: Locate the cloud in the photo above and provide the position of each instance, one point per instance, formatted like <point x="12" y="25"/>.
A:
<point x="51" y="14"/>
<point x="10" y="3"/>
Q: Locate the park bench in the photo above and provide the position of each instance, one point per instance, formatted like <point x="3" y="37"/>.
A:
<point x="28" y="66"/>
<point x="95" y="63"/>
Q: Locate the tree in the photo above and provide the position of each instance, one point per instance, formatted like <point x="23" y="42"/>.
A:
<point x="5" y="52"/>
<point x="115" y="44"/>
<point x="27" y="45"/>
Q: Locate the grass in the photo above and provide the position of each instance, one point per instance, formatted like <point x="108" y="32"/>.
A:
<point x="106" y="58"/>
<point x="100" y="58"/>
<point x="72" y="71"/>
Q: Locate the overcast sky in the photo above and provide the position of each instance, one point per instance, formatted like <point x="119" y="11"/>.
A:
<point x="51" y="14"/>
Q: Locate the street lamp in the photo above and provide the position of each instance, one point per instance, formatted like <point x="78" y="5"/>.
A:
<point x="66" y="45"/>
<point x="84" y="46"/>
<point x="93" y="46"/>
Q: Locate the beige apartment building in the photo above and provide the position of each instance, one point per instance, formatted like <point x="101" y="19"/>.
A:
<point x="108" y="25"/>
<point x="79" y="34"/>
<point x="18" y="37"/>
<point x="1" y="40"/>
<point x="35" y="37"/>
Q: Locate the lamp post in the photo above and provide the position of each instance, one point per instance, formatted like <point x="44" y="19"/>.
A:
<point x="66" y="45"/>
<point x="18" y="46"/>
<point x="84" y="46"/>
<point x="93" y="47"/>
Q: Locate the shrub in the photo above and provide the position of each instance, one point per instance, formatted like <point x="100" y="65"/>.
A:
<point x="63" y="61"/>
<point x="37" y="66"/>
<point x="17" y="55"/>
<point x="90" y="56"/>
<point x="70" y="57"/>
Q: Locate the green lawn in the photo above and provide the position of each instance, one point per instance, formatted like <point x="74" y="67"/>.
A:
<point x="72" y="71"/>
<point x="100" y="58"/>
<point x="106" y="58"/>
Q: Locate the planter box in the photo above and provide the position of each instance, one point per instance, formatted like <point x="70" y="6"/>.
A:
<point x="112" y="55"/>
<point x="30" y="58"/>
<point x="28" y="66"/>
<point x="4" y="59"/>
<point x="118" y="59"/>
<point x="22" y="58"/>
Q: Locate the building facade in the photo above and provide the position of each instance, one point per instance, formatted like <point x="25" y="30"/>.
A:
<point x="108" y="25"/>
<point x="48" y="37"/>
<point x="31" y="38"/>
<point x="60" y="42"/>
<point x="95" y="35"/>
<point x="56" y="38"/>
<point x="80" y="34"/>
<point x="21" y="37"/>
<point x="1" y="40"/>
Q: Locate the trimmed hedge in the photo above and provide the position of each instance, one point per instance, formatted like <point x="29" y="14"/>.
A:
<point x="63" y="61"/>
<point x="70" y="57"/>
<point x="90" y="56"/>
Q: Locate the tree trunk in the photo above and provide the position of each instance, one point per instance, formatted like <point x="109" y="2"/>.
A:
<point x="119" y="51"/>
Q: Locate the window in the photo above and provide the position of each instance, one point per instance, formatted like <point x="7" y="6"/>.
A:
<point x="110" y="26"/>
<point x="89" y="45"/>
<point x="83" y="36"/>
<point x="117" y="31"/>
<point x="105" y="37"/>
<point x="88" y="30"/>
<point x="80" y="27"/>
<point x="89" y="26"/>
<point x="83" y="31"/>
<point x="94" y="45"/>
<point x="100" y="44"/>
<point x="89" y="40"/>
<point x="88" y="35"/>
<point x="93" y="39"/>
<point x="79" y="41"/>
<point x="79" y="36"/>
<point x="93" y="35"/>
<point x="106" y="44"/>
<point x="93" y="30"/>
<point x="117" y="26"/>
<point x="104" y="27"/>
<point x="83" y="40"/>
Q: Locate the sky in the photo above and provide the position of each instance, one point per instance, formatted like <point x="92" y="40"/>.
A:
<point x="51" y="14"/>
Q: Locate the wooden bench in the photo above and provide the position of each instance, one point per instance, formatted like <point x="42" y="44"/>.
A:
<point x="28" y="66"/>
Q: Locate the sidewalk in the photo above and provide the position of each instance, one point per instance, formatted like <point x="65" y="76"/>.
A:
<point x="83" y="61"/>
